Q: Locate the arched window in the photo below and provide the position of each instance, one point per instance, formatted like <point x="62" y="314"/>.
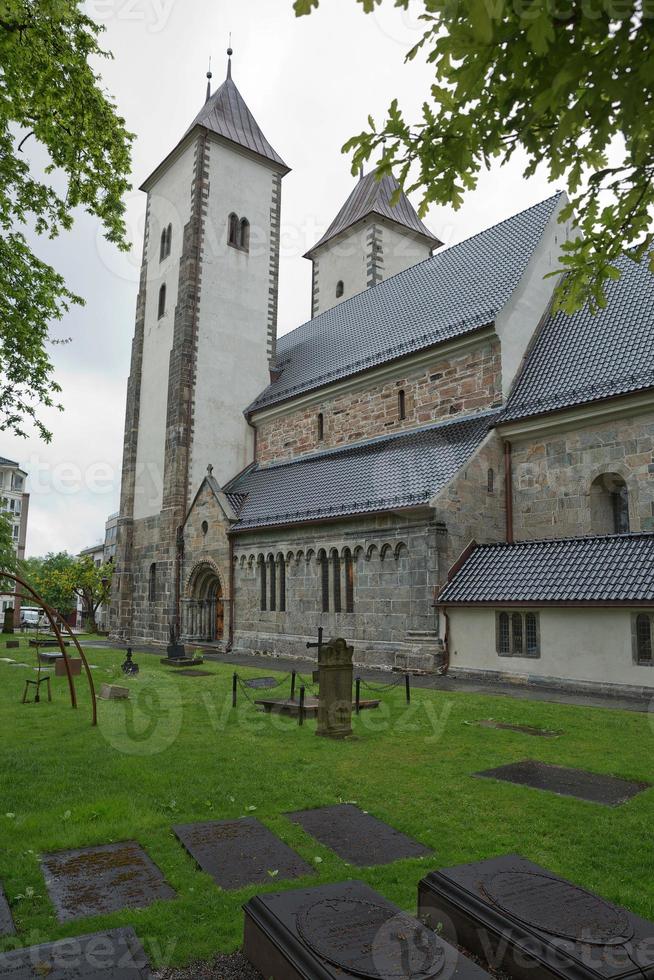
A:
<point x="233" y="230"/>
<point x="262" y="582"/>
<point x="169" y="239"/>
<point x="273" y="583"/>
<point x="245" y="235"/>
<point x="609" y="505"/>
<point x="401" y="404"/>
<point x="321" y="427"/>
<point x="349" y="582"/>
<point x="162" y="301"/>
<point x="503" y="637"/>
<point x="152" y="582"/>
<point x="282" y="584"/>
<point x="340" y="289"/>
<point x="516" y="633"/>
<point x="162" y="246"/>
<point x="336" y="575"/>
<point x="324" y="576"/>
<point x="490" y="480"/>
<point x="644" y="638"/>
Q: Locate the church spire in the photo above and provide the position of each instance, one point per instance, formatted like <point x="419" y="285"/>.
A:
<point x="230" y="52"/>
<point x="209" y="77"/>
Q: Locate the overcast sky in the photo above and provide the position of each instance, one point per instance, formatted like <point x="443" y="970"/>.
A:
<point x="311" y="84"/>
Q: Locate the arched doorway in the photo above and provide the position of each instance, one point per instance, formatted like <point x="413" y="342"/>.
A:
<point x="609" y="505"/>
<point x="203" y="614"/>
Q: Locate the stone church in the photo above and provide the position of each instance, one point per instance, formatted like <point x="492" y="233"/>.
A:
<point x="337" y="475"/>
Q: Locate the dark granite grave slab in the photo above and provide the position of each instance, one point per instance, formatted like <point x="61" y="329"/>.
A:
<point x="12" y="644"/>
<point x="583" y="785"/>
<point x="261" y="683"/>
<point x="286" y="706"/>
<point x="7" y="927"/>
<point x="241" y="852"/>
<point x="113" y="955"/>
<point x="344" y="931"/>
<point x="529" y="924"/>
<point x="357" y="837"/>
<point x="98" y="880"/>
<point x="520" y="729"/>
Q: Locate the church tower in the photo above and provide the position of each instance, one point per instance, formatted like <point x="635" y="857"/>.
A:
<point x="204" y="342"/>
<point x="371" y="238"/>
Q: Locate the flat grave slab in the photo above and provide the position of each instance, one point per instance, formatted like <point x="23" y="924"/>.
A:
<point x="12" y="644"/>
<point x="113" y="955"/>
<point x="286" y="706"/>
<point x="261" y="683"/>
<point x="178" y="662"/>
<point x="534" y="925"/>
<point x="344" y="931"/>
<point x="357" y="837"/>
<point x="520" y="729"/>
<point x="97" y="880"/>
<point x="7" y="927"/>
<point x="590" y="786"/>
<point x="241" y="852"/>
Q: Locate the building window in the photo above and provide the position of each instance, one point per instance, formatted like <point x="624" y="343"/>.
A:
<point x="340" y="289"/>
<point x="244" y="242"/>
<point x="321" y="427"/>
<point x="162" y="246"/>
<point x="517" y="634"/>
<point x="17" y="482"/>
<point x="282" y="584"/>
<point x="205" y="527"/>
<point x="324" y="575"/>
<point x="262" y="583"/>
<point x="162" y="302"/>
<point x="273" y="583"/>
<point x="643" y="639"/>
<point x="169" y="239"/>
<point x="152" y="582"/>
<point x="336" y="577"/>
<point x="401" y="404"/>
<point x="349" y="583"/>
<point x="233" y="230"/>
<point x="609" y="505"/>
<point x="490" y="480"/>
<point x="15" y="531"/>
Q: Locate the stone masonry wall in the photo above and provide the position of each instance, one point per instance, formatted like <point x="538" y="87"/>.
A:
<point x="467" y="381"/>
<point x="395" y="571"/>
<point x="552" y="476"/>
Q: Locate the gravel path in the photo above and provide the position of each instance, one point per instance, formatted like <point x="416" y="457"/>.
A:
<point x="234" y="967"/>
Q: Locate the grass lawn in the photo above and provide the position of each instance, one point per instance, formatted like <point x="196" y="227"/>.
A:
<point x="177" y="753"/>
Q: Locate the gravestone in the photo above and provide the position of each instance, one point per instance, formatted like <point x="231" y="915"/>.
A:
<point x="129" y="667"/>
<point x="583" y="785"/>
<point x="98" y="880"/>
<point x="12" y="644"/>
<point x="8" y="621"/>
<point x="357" y="837"/>
<point x="7" y="927"/>
<point x="335" y="673"/>
<point x="534" y="925"/>
<point x="175" y="649"/>
<point x="113" y="955"/>
<point x="346" y="930"/>
<point x="112" y="692"/>
<point x="74" y="663"/>
<point x="240" y="852"/>
<point x="261" y="683"/>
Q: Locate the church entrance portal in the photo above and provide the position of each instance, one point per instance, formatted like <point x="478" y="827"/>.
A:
<point x="203" y="615"/>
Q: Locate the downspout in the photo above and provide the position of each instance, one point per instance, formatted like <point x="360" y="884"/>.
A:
<point x="446" y="643"/>
<point x="508" y="491"/>
<point x="178" y="579"/>
<point x="232" y="596"/>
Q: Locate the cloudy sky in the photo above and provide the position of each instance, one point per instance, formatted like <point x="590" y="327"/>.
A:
<point x="311" y="84"/>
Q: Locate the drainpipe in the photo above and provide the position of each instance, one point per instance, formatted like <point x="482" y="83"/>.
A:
<point x="178" y="580"/>
<point x="446" y="643"/>
<point x="232" y="597"/>
<point x="508" y="491"/>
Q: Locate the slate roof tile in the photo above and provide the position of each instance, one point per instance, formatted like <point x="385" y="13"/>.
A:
<point x="583" y="358"/>
<point x="390" y="472"/>
<point x="598" y="569"/>
<point x="457" y="291"/>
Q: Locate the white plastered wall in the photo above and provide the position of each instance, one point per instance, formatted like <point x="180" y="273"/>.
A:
<point x="170" y="203"/>
<point x="577" y="644"/>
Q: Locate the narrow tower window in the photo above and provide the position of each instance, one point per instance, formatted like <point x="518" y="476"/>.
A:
<point x="245" y="235"/>
<point x="349" y="583"/>
<point x="336" y="572"/>
<point x="162" y="301"/>
<point x="324" y="574"/>
<point x="401" y="404"/>
<point x="490" y="481"/>
<point x="152" y="582"/>
<point x="282" y="584"/>
<point x="263" y="577"/>
<point x="169" y="239"/>
<point x="273" y="583"/>
<point x="321" y="427"/>
<point x="234" y="228"/>
<point x="162" y="246"/>
<point x="340" y="289"/>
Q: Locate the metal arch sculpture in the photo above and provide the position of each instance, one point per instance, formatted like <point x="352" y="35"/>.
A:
<point x="53" y="616"/>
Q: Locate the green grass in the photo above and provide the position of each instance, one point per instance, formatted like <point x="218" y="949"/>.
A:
<point x="176" y="753"/>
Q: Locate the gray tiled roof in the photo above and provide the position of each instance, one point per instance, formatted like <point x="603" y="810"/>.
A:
<point x="453" y="293"/>
<point x="227" y="115"/>
<point x="372" y="196"/>
<point x="613" y="568"/>
<point x="7" y="462"/>
<point x="403" y="470"/>
<point x="584" y="358"/>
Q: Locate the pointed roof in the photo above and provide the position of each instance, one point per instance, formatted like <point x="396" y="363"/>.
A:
<point x="373" y="196"/>
<point x="226" y="114"/>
